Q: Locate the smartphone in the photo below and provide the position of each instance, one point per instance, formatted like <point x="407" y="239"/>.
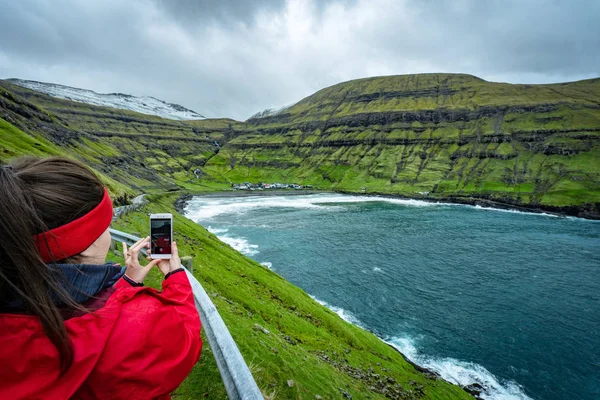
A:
<point x="161" y="235"/>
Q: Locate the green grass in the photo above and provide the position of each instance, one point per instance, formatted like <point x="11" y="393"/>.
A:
<point x="15" y="143"/>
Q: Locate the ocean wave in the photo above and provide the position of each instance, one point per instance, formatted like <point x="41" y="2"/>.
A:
<point x="342" y="313"/>
<point x="204" y="208"/>
<point x="216" y="231"/>
<point x="478" y="207"/>
<point x="267" y="264"/>
<point x="240" y="244"/>
<point x="543" y="214"/>
<point x="460" y="372"/>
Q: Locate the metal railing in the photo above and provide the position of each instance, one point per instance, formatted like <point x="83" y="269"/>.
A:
<point x="239" y="382"/>
<point x="136" y="203"/>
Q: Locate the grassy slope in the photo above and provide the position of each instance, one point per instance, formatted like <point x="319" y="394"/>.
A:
<point x="307" y="343"/>
<point x="147" y="153"/>
<point x="15" y="143"/>
<point x="451" y="135"/>
<point x="306" y="340"/>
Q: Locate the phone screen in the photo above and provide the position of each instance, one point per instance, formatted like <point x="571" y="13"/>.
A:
<point x="160" y="236"/>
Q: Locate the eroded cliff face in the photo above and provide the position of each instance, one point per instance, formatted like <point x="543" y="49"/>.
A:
<point x="434" y="135"/>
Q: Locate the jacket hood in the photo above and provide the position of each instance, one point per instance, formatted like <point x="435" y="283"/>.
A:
<point x="81" y="281"/>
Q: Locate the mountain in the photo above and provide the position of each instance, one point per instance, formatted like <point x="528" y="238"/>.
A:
<point x="438" y="136"/>
<point x="442" y="137"/>
<point x="144" y="152"/>
<point x="144" y="104"/>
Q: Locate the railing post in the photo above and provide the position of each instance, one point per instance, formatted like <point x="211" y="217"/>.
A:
<point x="187" y="263"/>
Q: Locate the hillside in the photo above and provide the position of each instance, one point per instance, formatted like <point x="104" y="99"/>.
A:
<point x="283" y="333"/>
<point x="445" y="137"/>
<point x="440" y="136"/>
<point x="144" y="104"/>
<point x="145" y="152"/>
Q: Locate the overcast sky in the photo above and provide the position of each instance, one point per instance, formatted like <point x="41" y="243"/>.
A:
<point x="226" y="58"/>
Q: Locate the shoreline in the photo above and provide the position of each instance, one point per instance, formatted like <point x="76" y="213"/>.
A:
<point x="589" y="211"/>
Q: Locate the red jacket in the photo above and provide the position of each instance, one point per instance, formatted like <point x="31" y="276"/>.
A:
<point x="140" y="345"/>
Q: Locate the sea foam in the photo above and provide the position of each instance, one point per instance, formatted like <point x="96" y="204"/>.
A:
<point x="217" y="231"/>
<point x="460" y="372"/>
<point x="240" y="244"/>
<point x="507" y="210"/>
<point x="267" y="264"/>
<point x="202" y="208"/>
<point x="342" y="313"/>
<point x="456" y="371"/>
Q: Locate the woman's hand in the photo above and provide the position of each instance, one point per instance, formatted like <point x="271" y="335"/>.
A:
<point x="171" y="264"/>
<point x="135" y="271"/>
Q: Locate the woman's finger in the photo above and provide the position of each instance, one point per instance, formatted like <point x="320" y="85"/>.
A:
<point x="139" y="244"/>
<point x="152" y="263"/>
<point x="134" y="255"/>
<point x="124" y="250"/>
<point x="174" y="252"/>
<point x="134" y="251"/>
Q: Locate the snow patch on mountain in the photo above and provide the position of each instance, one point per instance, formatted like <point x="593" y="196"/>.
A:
<point x="269" y="112"/>
<point x="142" y="104"/>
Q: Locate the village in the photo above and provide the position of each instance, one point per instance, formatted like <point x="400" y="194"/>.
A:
<point x="268" y="186"/>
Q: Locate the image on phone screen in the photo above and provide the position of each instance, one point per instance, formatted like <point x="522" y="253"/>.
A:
<point x="160" y="236"/>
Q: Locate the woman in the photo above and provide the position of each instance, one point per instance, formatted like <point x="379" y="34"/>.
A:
<point x="70" y="325"/>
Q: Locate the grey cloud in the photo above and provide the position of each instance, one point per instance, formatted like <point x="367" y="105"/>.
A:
<point x="228" y="12"/>
<point x="234" y="58"/>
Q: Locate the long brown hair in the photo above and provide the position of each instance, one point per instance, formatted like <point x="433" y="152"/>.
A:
<point x="37" y="195"/>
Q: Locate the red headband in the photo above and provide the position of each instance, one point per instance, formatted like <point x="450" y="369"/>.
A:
<point x="76" y="236"/>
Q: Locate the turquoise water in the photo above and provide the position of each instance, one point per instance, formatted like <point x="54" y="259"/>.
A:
<point x="507" y="299"/>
